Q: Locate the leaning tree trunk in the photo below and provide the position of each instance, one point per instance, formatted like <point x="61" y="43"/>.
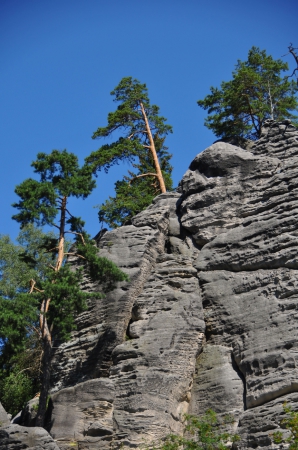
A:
<point x="153" y="151"/>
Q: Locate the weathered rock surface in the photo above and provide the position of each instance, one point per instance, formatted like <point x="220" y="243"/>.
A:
<point x="83" y="413"/>
<point x="209" y="317"/>
<point x="16" y="437"/>
<point x="247" y="269"/>
<point x="4" y="419"/>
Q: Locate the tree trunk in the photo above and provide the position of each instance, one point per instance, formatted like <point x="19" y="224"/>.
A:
<point x="61" y="234"/>
<point x="153" y="151"/>
<point x="46" y="333"/>
<point x="46" y="366"/>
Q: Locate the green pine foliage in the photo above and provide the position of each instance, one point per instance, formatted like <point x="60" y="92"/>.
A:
<point x="20" y="344"/>
<point x="205" y="432"/>
<point x="258" y="91"/>
<point x="60" y="176"/>
<point x="137" y="189"/>
<point x="19" y="263"/>
<point x="15" y="390"/>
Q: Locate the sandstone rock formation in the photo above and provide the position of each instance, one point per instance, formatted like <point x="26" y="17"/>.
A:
<point x="16" y="437"/>
<point x="209" y="317"/>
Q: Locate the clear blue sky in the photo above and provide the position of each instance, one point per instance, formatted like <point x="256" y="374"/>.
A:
<point x="61" y="58"/>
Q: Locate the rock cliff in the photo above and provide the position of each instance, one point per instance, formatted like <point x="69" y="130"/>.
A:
<point x="209" y="317"/>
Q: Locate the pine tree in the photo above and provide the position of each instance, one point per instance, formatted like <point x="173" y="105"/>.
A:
<point x="20" y="346"/>
<point x="256" y="93"/>
<point x="141" y="134"/>
<point x="57" y="294"/>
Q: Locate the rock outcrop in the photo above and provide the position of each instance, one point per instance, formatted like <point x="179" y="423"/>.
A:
<point x="209" y="317"/>
<point x="16" y="437"/>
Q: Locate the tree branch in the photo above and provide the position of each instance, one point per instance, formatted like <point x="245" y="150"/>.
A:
<point x="76" y="254"/>
<point x="51" y="249"/>
<point x="291" y="50"/>
<point x="79" y="234"/>
<point x="36" y="330"/>
<point x="149" y="174"/>
<point x="136" y="132"/>
<point x="68" y="212"/>
<point x="32" y="283"/>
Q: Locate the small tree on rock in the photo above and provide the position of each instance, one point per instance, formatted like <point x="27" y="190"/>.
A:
<point x="256" y="93"/>
<point x="141" y="133"/>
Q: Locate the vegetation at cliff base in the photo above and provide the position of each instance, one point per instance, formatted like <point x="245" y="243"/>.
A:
<point x="258" y="91"/>
<point x="140" y="136"/>
<point x="205" y="432"/>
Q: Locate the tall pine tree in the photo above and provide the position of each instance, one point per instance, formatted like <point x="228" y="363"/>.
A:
<point x="58" y="294"/>
<point x="141" y="133"/>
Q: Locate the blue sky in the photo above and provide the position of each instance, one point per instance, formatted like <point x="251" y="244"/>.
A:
<point x="61" y="58"/>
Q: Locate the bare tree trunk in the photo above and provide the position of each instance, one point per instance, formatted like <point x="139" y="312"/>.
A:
<point x="46" y="332"/>
<point x="61" y="234"/>
<point x="153" y="151"/>
<point x="46" y="365"/>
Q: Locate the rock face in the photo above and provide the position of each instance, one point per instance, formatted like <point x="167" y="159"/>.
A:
<point x="16" y="437"/>
<point x="209" y="317"/>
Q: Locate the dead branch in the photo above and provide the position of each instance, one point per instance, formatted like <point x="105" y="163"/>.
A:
<point x="68" y="212"/>
<point x="79" y="234"/>
<point x="136" y="132"/>
<point x="75" y="254"/>
<point x="295" y="56"/>
<point x="149" y="174"/>
<point x="32" y="327"/>
<point x="33" y="288"/>
<point x="52" y="249"/>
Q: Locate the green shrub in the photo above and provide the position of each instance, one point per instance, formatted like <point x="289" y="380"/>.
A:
<point x="201" y="433"/>
<point x="291" y="423"/>
<point x="16" y="390"/>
